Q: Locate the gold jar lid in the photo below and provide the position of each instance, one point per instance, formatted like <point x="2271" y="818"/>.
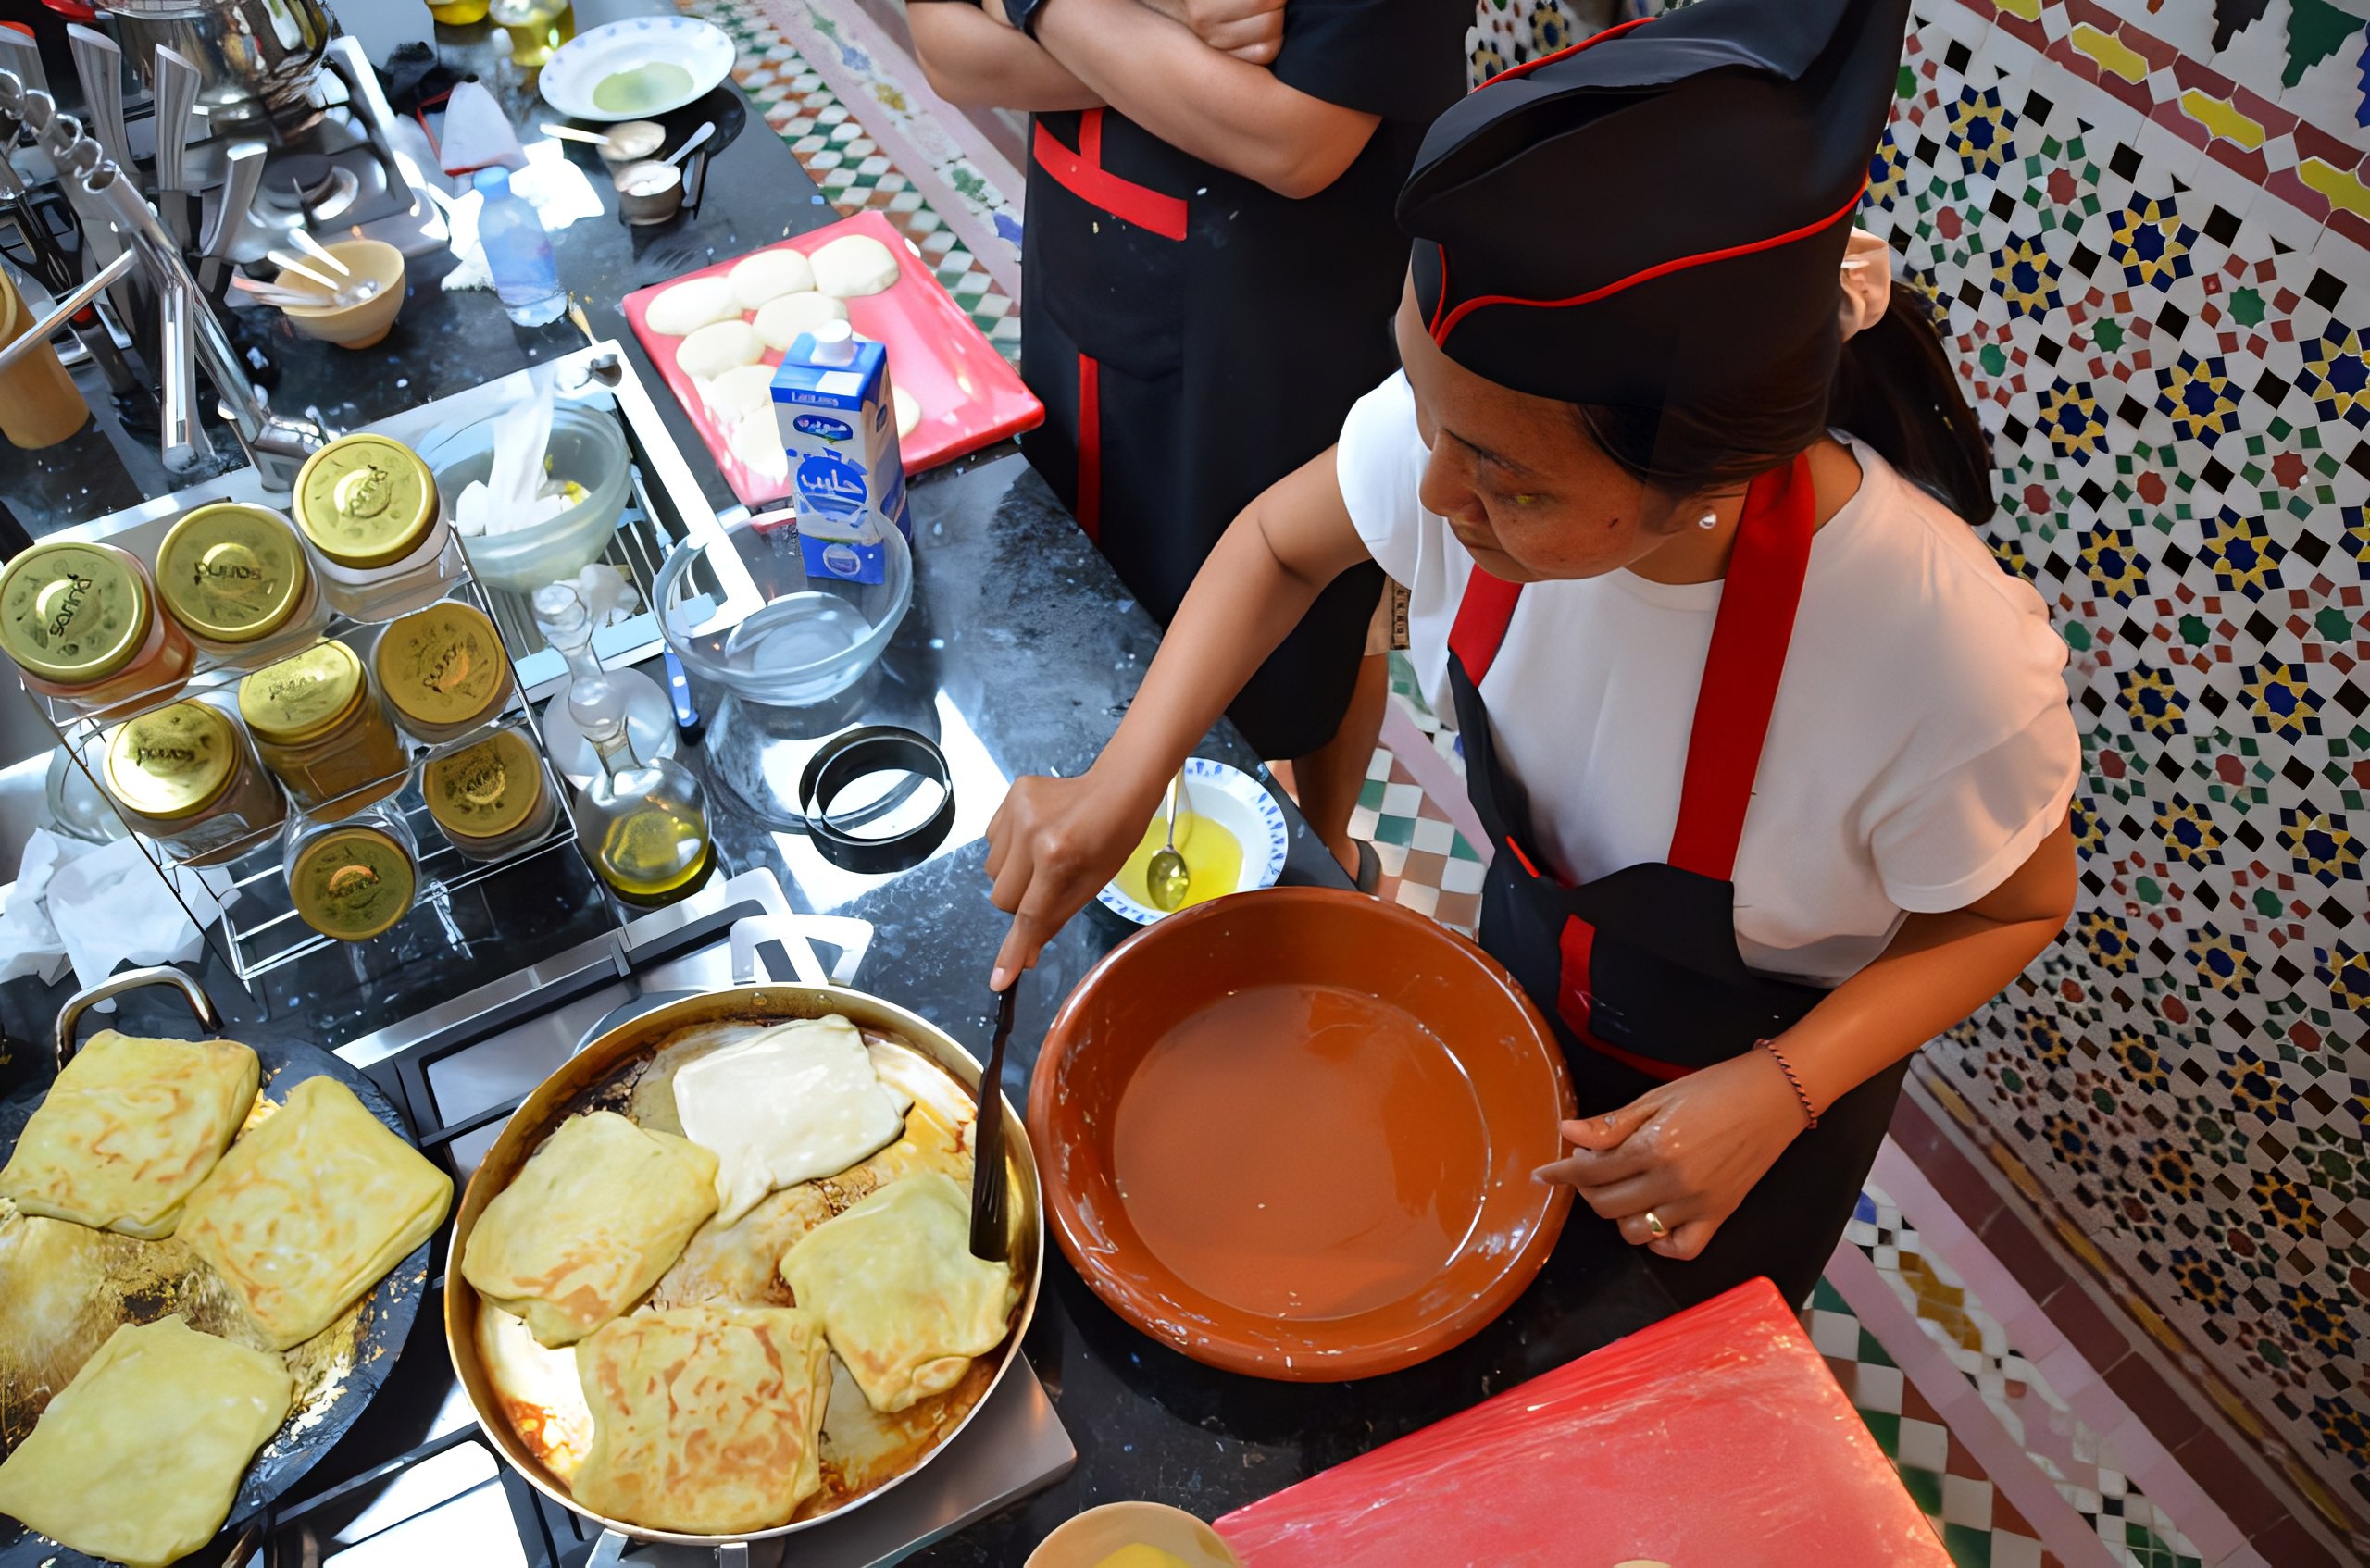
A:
<point x="74" y="613"/>
<point x="443" y="665"/>
<point x="352" y="883"/>
<point x="232" y="571"/>
<point x="366" y="501"/>
<point x="174" y="762"/>
<point x="304" y="697"/>
<point x="484" y="791"/>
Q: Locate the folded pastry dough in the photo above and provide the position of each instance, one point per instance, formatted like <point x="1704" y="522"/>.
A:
<point x="308" y="1211"/>
<point x="902" y="1299"/>
<point x="590" y="1223"/>
<point x="139" y="1458"/>
<point x="799" y="1101"/>
<point x="704" y="1419"/>
<point x="129" y="1130"/>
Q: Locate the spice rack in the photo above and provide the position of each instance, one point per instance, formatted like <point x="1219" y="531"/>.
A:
<point x="258" y="927"/>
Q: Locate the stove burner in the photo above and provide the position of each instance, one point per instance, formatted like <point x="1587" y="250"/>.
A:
<point x="323" y="189"/>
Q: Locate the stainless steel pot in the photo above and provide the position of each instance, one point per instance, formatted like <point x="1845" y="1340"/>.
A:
<point x="256" y="59"/>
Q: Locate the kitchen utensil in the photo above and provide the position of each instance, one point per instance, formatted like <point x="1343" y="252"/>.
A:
<point x="182" y="443"/>
<point x="1229" y="799"/>
<point x="621" y="1053"/>
<point x="100" y="65"/>
<point x="256" y="59"/>
<point x="20" y="54"/>
<point x="317" y="250"/>
<point x="569" y="133"/>
<point x="691" y="143"/>
<point x="40" y="405"/>
<point x="361" y="313"/>
<point x="271" y="294"/>
<point x="971" y="397"/>
<point x="338" y="1371"/>
<point x="585" y="446"/>
<point x="242" y="177"/>
<point x="176" y="90"/>
<point x="630" y="141"/>
<point x="1668" y="1435"/>
<point x="1093" y="1536"/>
<point x="288" y="263"/>
<point x="990" y="1237"/>
<point x="1167" y="875"/>
<point x="696" y="56"/>
<point x="1297" y="1131"/>
<point x="812" y="637"/>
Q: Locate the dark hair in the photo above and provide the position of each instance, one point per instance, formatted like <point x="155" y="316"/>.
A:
<point x="1892" y="386"/>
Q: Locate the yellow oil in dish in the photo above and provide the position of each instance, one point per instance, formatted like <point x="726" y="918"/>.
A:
<point x="1212" y="859"/>
<point x="1142" y="1556"/>
<point x="640" y="90"/>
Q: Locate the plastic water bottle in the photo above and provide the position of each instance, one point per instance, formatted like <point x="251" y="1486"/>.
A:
<point x="517" y="253"/>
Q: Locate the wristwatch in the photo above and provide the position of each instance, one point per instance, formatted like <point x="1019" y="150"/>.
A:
<point x="1023" y="14"/>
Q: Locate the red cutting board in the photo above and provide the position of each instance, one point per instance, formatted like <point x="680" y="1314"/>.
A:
<point x="1717" y="1439"/>
<point x="970" y="398"/>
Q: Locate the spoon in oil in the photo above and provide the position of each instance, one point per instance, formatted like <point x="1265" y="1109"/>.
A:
<point x="1166" y="875"/>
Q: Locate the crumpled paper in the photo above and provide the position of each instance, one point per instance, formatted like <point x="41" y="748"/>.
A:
<point x="96" y="906"/>
<point x="518" y="494"/>
<point x="556" y="188"/>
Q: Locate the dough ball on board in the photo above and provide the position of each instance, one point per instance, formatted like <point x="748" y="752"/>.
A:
<point x="769" y="275"/>
<point x="909" y="410"/>
<point x="688" y="306"/>
<point x="740" y="392"/>
<point x="779" y="321"/>
<point x="718" y="347"/>
<point x="854" y="264"/>
<point x="756" y="440"/>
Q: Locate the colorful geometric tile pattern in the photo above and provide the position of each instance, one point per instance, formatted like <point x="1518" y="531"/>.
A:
<point x="2144" y="230"/>
<point x="1427" y="864"/>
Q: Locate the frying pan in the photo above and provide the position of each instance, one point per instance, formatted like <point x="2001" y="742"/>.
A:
<point x="615" y="1058"/>
<point x="377" y="1328"/>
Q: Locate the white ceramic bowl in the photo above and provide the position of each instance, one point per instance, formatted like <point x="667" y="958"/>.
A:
<point x="1236" y="802"/>
<point x="581" y="64"/>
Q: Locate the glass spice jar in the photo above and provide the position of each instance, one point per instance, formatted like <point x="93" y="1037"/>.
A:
<point x="492" y="799"/>
<point x="236" y="577"/>
<point x="443" y="670"/>
<point x="323" y="729"/>
<point x="81" y="623"/>
<point x="186" y="777"/>
<point x="351" y="880"/>
<point x="369" y="505"/>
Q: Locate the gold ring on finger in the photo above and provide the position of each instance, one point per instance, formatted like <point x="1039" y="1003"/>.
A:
<point x="1654" y="1226"/>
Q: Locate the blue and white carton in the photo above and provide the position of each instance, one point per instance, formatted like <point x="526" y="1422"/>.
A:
<point x="838" y="424"/>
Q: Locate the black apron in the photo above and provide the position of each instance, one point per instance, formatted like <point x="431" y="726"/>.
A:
<point x="1194" y="338"/>
<point x="1639" y="970"/>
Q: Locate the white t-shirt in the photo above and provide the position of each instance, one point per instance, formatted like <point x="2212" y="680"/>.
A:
<point x="1920" y="749"/>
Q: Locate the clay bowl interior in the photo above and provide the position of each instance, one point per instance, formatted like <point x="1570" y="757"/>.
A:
<point x="1296" y="1183"/>
<point x="365" y="322"/>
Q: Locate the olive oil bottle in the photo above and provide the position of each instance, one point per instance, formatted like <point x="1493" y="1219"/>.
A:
<point x="643" y="825"/>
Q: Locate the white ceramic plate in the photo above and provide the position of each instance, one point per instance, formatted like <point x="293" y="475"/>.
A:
<point x="1236" y="802"/>
<point x="589" y="59"/>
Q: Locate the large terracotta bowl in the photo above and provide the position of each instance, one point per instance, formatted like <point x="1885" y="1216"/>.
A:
<point x="1292" y="1133"/>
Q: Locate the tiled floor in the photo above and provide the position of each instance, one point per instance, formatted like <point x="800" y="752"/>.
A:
<point x="2010" y="1477"/>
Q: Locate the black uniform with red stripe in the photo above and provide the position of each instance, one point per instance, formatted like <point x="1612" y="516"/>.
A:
<point x="1195" y="336"/>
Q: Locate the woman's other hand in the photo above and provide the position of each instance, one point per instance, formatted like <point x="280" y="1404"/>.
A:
<point x="1051" y="846"/>
<point x="1252" y="30"/>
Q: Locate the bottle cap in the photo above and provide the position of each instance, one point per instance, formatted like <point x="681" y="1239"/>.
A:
<point x="74" y="613"/>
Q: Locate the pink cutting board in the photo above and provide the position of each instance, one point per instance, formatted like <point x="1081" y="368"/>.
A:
<point x="970" y="398"/>
<point x="1715" y="1437"/>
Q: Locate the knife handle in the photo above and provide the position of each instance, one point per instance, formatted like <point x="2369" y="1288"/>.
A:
<point x="100" y="65"/>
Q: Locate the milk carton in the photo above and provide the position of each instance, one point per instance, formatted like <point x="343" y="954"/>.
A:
<point x="839" y="429"/>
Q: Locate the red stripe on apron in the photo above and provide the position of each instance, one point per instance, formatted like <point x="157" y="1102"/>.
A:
<point x="1082" y="175"/>
<point x="1090" y="446"/>
<point x="1483" y="616"/>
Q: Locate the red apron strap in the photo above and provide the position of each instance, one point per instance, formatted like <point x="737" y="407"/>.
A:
<point x="1740" y="675"/>
<point x="1483" y="616"/>
<point x="1090" y="446"/>
<point x="1082" y="175"/>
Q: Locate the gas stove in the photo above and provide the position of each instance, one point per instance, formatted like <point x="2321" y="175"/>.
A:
<point x="415" y="1481"/>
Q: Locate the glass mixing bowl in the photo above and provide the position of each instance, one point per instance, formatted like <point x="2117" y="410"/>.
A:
<point x="742" y="614"/>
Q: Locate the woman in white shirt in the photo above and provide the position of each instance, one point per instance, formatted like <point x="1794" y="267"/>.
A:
<point x="1775" y="759"/>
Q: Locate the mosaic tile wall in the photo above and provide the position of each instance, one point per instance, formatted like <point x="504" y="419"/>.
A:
<point x="2143" y="223"/>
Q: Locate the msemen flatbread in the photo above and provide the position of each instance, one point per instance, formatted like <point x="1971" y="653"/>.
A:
<point x="310" y="1209"/>
<point x="129" y="1130"/>
<point x="139" y="1458"/>
<point x="799" y="1101"/>
<point x="704" y="1419"/>
<point x="902" y="1299"/>
<point x="589" y="1223"/>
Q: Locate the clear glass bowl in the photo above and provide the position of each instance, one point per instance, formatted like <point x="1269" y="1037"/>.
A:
<point x="587" y="447"/>
<point x="743" y="615"/>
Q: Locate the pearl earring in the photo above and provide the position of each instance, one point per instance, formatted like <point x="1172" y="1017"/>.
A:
<point x="1708" y="520"/>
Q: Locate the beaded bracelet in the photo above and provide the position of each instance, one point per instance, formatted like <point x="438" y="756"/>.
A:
<point x="1788" y="1068"/>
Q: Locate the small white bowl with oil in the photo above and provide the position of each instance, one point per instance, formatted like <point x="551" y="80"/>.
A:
<point x="1232" y="837"/>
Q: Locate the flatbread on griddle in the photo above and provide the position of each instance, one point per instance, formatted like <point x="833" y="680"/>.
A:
<point x="589" y="1223"/>
<point x="310" y="1209"/>
<point x="704" y="1419"/>
<point x="129" y="1130"/>
<point x="904" y="1302"/>
<point x="139" y="1458"/>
